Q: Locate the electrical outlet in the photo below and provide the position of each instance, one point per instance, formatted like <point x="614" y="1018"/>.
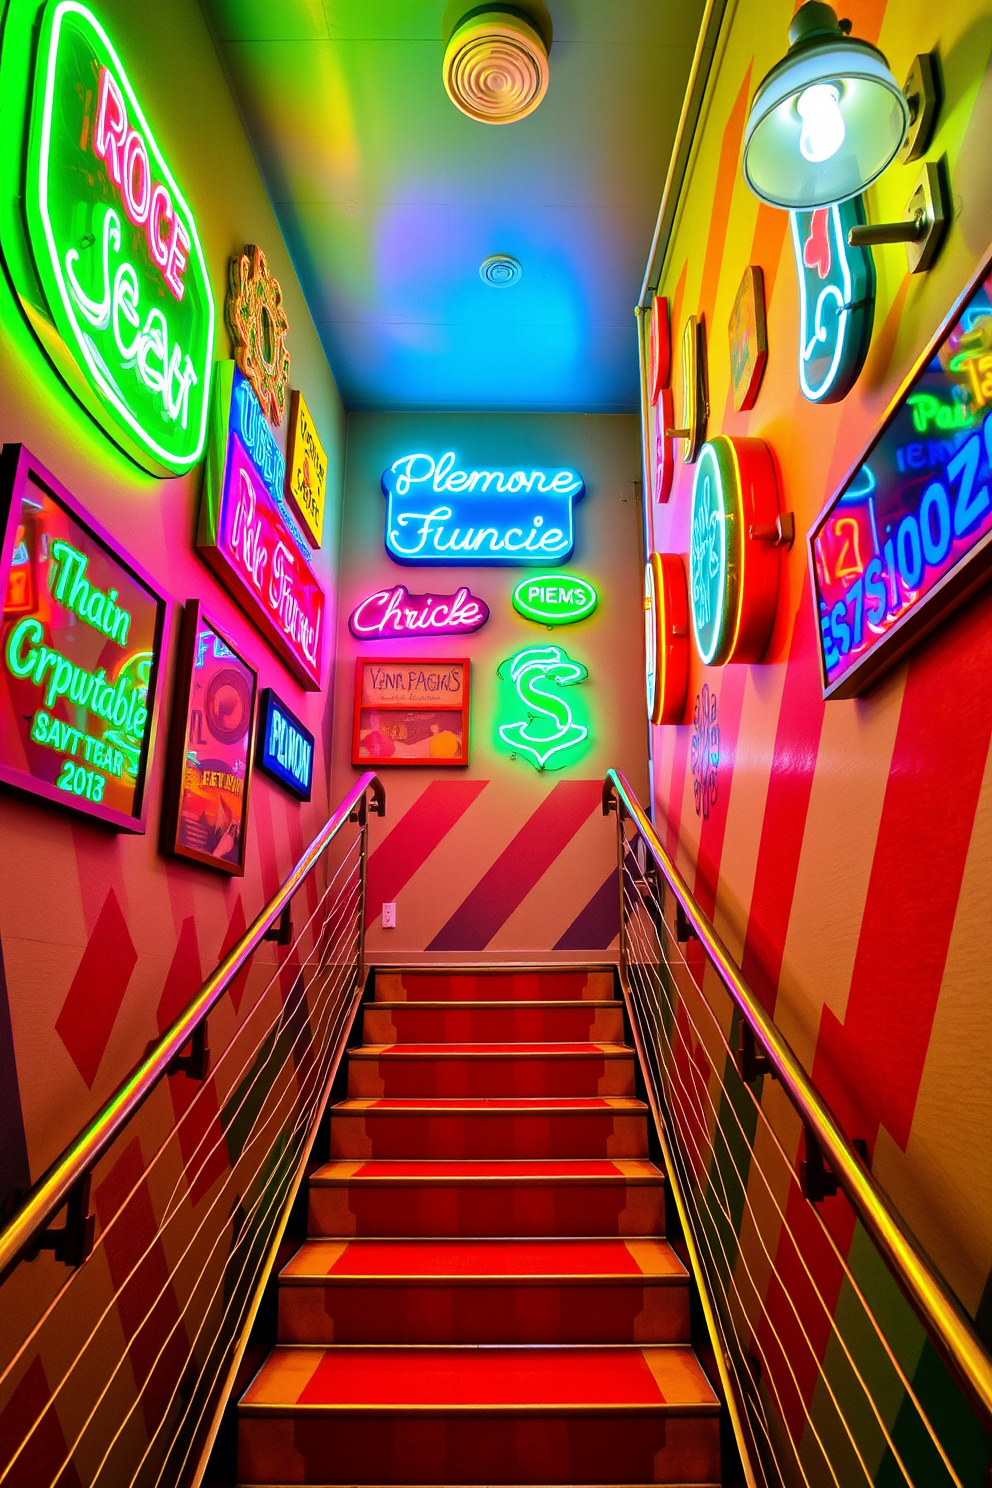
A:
<point x="389" y="917"/>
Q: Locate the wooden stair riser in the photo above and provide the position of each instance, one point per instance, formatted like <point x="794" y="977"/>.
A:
<point x="523" y="1022"/>
<point x="372" y="1134"/>
<point x="398" y="1075"/>
<point x="630" y="1310"/>
<point x="502" y="986"/>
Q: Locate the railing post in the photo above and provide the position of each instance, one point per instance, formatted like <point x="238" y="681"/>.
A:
<point x="621" y="847"/>
<point x="363" y="852"/>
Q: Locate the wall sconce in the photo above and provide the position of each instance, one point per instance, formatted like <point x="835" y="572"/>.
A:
<point x="829" y="118"/>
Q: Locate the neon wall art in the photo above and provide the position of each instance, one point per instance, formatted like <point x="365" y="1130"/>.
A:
<point x="733" y="559"/>
<point x="836" y="300"/>
<point x="205" y="811"/>
<point x="554" y="599"/>
<point x="395" y="614"/>
<point x="247" y="535"/>
<point x="666" y="637"/>
<point x="116" y="249"/>
<point x="548" y="735"/>
<point x="411" y="712"/>
<point x="659" y="446"/>
<point x="909" y="535"/>
<point x="82" y="636"/>
<point x="285" y="746"/>
<point x="437" y="513"/>
<point x="258" y="325"/>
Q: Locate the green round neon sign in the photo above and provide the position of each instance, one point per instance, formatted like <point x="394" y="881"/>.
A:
<point x="116" y="250"/>
<point x="554" y="598"/>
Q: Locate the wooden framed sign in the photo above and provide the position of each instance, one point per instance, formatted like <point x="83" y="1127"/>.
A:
<point x="82" y="636"/>
<point x="205" y="813"/>
<point x="908" y="536"/>
<point x="411" y="712"/>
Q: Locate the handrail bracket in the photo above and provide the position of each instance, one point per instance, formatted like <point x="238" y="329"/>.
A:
<point x="72" y="1244"/>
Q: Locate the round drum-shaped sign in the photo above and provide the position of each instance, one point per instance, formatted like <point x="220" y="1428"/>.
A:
<point x="666" y="637"/>
<point x="734" y="561"/>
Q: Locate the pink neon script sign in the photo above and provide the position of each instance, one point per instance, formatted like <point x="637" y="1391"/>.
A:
<point x="253" y="538"/>
<point x="395" y="612"/>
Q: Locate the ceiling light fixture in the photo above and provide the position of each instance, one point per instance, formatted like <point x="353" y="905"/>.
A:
<point x="496" y="66"/>
<point x="826" y="120"/>
<point x="500" y="270"/>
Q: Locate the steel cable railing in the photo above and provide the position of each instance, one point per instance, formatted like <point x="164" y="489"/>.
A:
<point x="114" y="1370"/>
<point x="844" y="1357"/>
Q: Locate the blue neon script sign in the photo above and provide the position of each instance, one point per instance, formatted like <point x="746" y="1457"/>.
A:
<point x="438" y="513"/>
<point x="287" y="747"/>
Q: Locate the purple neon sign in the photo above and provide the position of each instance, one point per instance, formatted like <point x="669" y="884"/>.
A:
<point x="394" y="614"/>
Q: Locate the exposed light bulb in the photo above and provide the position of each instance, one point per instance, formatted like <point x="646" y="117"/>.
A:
<point x="823" y="124"/>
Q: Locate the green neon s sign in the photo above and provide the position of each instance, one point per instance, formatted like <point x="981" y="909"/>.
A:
<point x="116" y="249"/>
<point x="547" y="735"/>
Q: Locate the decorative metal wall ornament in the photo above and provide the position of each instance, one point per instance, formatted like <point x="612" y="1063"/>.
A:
<point x="748" y="339"/>
<point x="705" y="752"/>
<point x="258" y="325"/>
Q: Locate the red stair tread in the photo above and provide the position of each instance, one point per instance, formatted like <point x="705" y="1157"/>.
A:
<point x="347" y="1378"/>
<point x="502" y="1259"/>
<point x="512" y="1170"/>
<point x="448" y="1006"/>
<point x="521" y="1105"/>
<point x="491" y="1051"/>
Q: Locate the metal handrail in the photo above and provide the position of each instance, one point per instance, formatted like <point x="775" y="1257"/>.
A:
<point x="947" y="1324"/>
<point x="62" y="1179"/>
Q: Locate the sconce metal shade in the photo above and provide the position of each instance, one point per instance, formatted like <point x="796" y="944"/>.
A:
<point x="827" y="119"/>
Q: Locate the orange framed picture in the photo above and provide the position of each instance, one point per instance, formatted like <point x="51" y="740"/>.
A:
<point x="411" y="711"/>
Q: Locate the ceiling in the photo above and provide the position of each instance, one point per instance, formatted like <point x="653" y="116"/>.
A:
<point x="389" y="198"/>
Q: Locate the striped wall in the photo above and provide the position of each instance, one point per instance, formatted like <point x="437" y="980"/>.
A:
<point x="499" y="861"/>
<point x="846" y="852"/>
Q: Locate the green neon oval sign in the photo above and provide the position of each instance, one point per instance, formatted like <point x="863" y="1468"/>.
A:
<point x="116" y="249"/>
<point x="555" y="598"/>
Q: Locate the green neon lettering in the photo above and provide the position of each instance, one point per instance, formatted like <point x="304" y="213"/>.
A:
<point x="89" y="603"/>
<point x="32" y="629"/>
<point x="548" y="601"/>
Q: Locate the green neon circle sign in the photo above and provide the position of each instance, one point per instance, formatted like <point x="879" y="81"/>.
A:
<point x="554" y="598"/>
<point x="714" y="553"/>
<point x="116" y="250"/>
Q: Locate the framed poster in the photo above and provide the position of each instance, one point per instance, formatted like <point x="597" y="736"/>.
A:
<point x="205" y="813"/>
<point x="82" y="636"/>
<point x="411" y="712"/>
<point x="908" y="536"/>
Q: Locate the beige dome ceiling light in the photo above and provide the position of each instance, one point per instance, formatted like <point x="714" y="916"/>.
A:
<point x="496" y="66"/>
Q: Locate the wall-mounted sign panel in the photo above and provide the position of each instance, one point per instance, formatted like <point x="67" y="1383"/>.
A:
<point x="411" y="712"/>
<point x="81" y="642"/>
<point x="439" y="513"/>
<point x="285" y="746"/>
<point x="306" y="485"/>
<point x="666" y="637"/>
<point x="734" y="560"/>
<point x="248" y="539"/>
<point x="547" y="733"/>
<point x="205" y="812"/>
<point x="748" y="334"/>
<point x="116" y="249"/>
<point x="395" y="614"/>
<point x="909" y="534"/>
<point x="554" y="599"/>
<point x="836" y="299"/>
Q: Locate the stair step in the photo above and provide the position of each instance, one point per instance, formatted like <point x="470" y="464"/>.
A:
<point x="481" y="985"/>
<point x="542" y="1126"/>
<point x="549" y="1197"/>
<point x="590" y="1021"/>
<point x="480" y="1415"/>
<point x="491" y="1069"/>
<point x="484" y="1291"/>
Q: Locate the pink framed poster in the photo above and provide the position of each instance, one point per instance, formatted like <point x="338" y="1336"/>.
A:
<point x="411" y="712"/>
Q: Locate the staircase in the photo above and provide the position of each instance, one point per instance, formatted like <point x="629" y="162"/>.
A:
<point x="484" y="1296"/>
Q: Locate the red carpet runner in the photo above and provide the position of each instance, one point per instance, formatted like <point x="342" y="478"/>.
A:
<point x="483" y="1298"/>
